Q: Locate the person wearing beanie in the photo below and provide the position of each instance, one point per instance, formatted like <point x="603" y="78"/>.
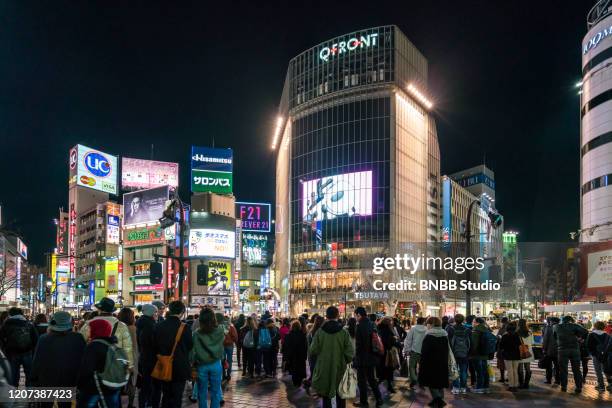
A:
<point x="51" y="354"/>
<point x="106" y="307"/>
<point x="93" y="361"/>
<point x="164" y="335"/>
<point x="144" y="334"/>
<point x="206" y="356"/>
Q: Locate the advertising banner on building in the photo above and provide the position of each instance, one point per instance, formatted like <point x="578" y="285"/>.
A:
<point x="212" y="243"/>
<point x="219" y="277"/>
<point x="139" y="174"/>
<point x="143" y="236"/>
<point x="22" y="249"/>
<point x="600" y="269"/>
<point x="342" y="195"/>
<point x="111" y="272"/>
<point x="112" y="229"/>
<point x="211" y="170"/>
<point x="93" y="169"/>
<point x="145" y="206"/>
<point x="255" y="249"/>
<point x="255" y="217"/>
<point x="61" y="241"/>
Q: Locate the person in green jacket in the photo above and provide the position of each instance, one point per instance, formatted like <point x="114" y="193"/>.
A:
<point x="479" y="357"/>
<point x="206" y="357"/>
<point x="333" y="349"/>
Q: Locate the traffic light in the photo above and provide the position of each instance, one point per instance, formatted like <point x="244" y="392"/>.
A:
<point x="81" y="285"/>
<point x="202" y="276"/>
<point x="156" y="274"/>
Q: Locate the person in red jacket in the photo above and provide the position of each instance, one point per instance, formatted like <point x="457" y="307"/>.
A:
<point x="231" y="338"/>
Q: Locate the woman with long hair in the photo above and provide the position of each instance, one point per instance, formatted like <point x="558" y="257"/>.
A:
<point x="126" y="315"/>
<point x="207" y="354"/>
<point x="295" y="350"/>
<point x="509" y="349"/>
<point x="351" y="327"/>
<point x="524" y="369"/>
<point x="249" y="347"/>
<point x="317" y="322"/>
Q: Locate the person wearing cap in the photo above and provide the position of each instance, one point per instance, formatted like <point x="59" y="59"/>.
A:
<point x="94" y="361"/>
<point x="164" y="336"/>
<point x="161" y="308"/>
<point x="146" y="351"/>
<point x="106" y="307"/>
<point x="52" y="351"/>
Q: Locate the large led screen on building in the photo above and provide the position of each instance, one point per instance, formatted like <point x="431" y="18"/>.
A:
<point x="255" y="249"/>
<point x="211" y="170"/>
<point x="138" y="173"/>
<point x="93" y="169"/>
<point x="145" y="206"/>
<point x="600" y="269"/>
<point x="342" y="195"/>
<point x="212" y="243"/>
<point x="254" y="217"/>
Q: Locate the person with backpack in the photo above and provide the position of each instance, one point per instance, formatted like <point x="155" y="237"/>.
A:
<point x="249" y="345"/>
<point x="460" y="342"/>
<point x="367" y="353"/>
<point x="230" y="338"/>
<point x="146" y="354"/>
<point x="566" y="335"/>
<point x="206" y="356"/>
<point x="270" y="353"/>
<point x="18" y="339"/>
<point x="412" y="348"/>
<point x="524" y="369"/>
<point x="598" y="342"/>
<point x="104" y="368"/>
<point x="333" y="350"/>
<point x="295" y="352"/>
<point x="509" y="350"/>
<point x="433" y="370"/>
<point x="483" y="345"/>
<point x="172" y="339"/>
<point x="51" y="353"/>
<point x="106" y="307"/>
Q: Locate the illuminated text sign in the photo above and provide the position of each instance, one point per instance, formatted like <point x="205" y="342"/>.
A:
<point x="362" y="41"/>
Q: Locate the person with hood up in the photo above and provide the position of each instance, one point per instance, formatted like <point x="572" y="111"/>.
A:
<point x="597" y="343"/>
<point x="567" y="334"/>
<point x="412" y="348"/>
<point x="333" y="349"/>
<point x="106" y="307"/>
<point x="295" y="352"/>
<point x="433" y="368"/>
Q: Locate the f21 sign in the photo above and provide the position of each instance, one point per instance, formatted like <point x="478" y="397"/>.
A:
<point x="254" y="217"/>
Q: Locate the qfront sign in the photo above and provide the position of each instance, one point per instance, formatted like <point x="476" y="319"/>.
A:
<point x="93" y="169"/>
<point x="211" y="170"/>
<point x="596" y="39"/>
<point x="352" y="44"/>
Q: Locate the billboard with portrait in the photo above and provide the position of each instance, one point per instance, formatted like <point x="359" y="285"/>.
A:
<point x="209" y="242"/>
<point x="254" y="217"/>
<point x="219" y="277"/>
<point x="139" y="174"/>
<point x="93" y="169"/>
<point x="144" y="206"/>
<point x="255" y="249"/>
<point x="341" y="195"/>
<point x="211" y="170"/>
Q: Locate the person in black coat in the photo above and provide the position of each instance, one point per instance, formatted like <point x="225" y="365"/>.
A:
<point x="433" y="367"/>
<point x="51" y="353"/>
<point x="365" y="360"/>
<point x="18" y="338"/>
<point x="295" y="350"/>
<point x="94" y="361"/>
<point x="164" y="335"/>
<point x="146" y="353"/>
<point x="510" y="352"/>
<point x="549" y="348"/>
<point x="389" y="341"/>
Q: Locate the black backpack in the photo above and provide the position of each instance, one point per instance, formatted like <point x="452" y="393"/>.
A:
<point x="19" y="338"/>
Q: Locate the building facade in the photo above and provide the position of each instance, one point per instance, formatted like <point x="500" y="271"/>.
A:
<point x="357" y="166"/>
<point x="596" y="126"/>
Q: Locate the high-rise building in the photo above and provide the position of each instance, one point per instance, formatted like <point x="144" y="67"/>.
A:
<point x="357" y="172"/>
<point x="596" y="126"/>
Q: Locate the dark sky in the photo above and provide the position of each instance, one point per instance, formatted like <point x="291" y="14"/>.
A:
<point x="118" y="76"/>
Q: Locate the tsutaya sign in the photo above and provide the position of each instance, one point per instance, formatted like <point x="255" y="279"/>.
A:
<point x="362" y="41"/>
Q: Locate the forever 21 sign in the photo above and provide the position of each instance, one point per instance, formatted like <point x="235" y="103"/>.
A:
<point x="254" y="216"/>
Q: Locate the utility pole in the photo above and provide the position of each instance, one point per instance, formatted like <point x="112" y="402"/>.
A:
<point x="468" y="237"/>
<point x="169" y="219"/>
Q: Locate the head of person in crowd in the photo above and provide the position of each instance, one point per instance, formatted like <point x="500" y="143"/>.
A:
<point x="149" y="311"/>
<point x="420" y="321"/>
<point x="99" y="329"/>
<point x="470" y="319"/>
<point x="554" y="320"/>
<point x="318" y="322"/>
<point x="176" y="308"/>
<point x="434" y="321"/>
<point x="208" y="321"/>
<point x="504" y="321"/>
<point x="373" y="317"/>
<point x="250" y="323"/>
<point x="270" y="322"/>
<point x="126" y="315"/>
<point x="599" y="325"/>
<point x="286" y="321"/>
<point x="3" y="316"/>
<point x="459" y="319"/>
<point x="360" y="313"/>
<point x="40" y="318"/>
<point x="220" y="318"/>
<point x="106" y="306"/>
<point x="567" y="319"/>
<point x="386" y="321"/>
<point x="511" y="327"/>
<point x="522" y="328"/>
<point x="15" y="311"/>
<point x="61" y="322"/>
<point x="479" y="321"/>
<point x="352" y="326"/>
<point x="332" y="313"/>
<point x="296" y="325"/>
<point x="161" y="306"/>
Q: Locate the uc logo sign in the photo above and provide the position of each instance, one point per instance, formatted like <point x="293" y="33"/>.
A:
<point x="97" y="164"/>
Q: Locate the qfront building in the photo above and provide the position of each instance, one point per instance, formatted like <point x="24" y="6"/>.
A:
<point x="357" y="171"/>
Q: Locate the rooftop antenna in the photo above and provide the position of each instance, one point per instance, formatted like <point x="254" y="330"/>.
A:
<point x="152" y="150"/>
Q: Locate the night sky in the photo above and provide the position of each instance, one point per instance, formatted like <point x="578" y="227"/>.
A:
<point x="120" y="76"/>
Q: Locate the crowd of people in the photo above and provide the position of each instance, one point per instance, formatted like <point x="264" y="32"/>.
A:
<point x="150" y="355"/>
